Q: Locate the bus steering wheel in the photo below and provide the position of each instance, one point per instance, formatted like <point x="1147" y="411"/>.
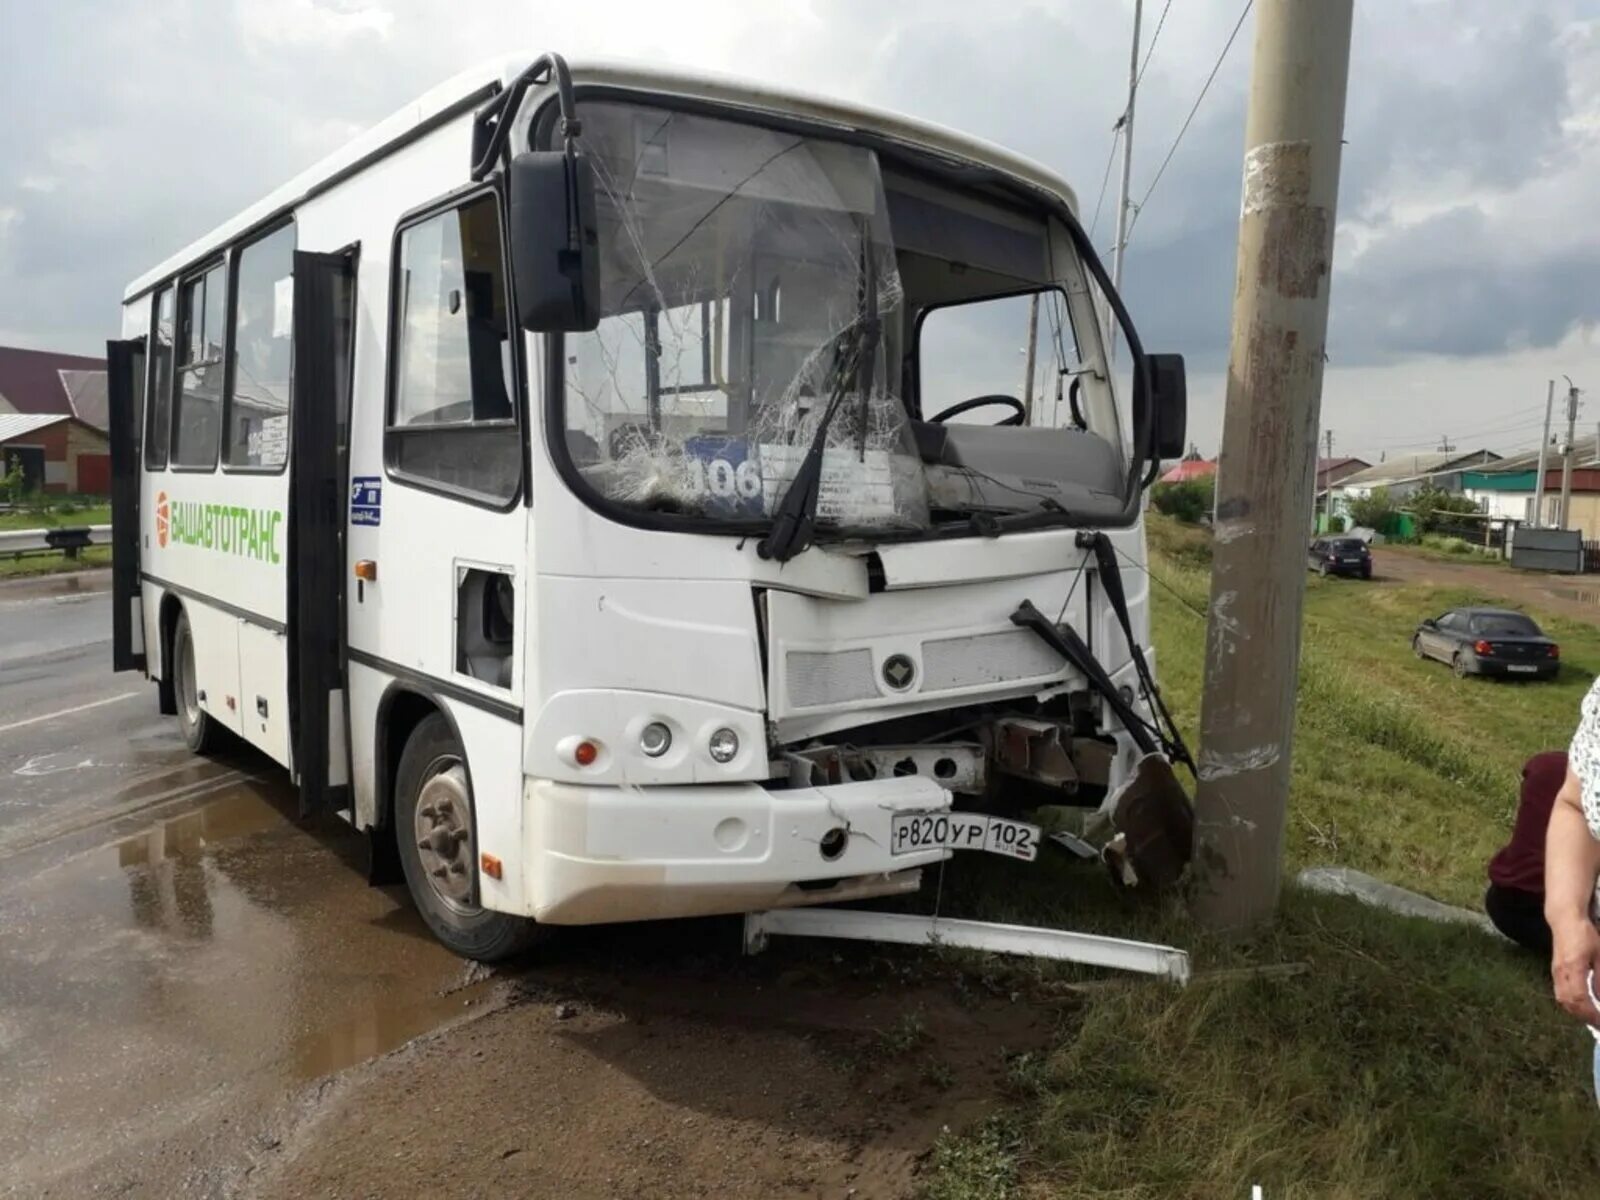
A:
<point x="1017" y="417"/>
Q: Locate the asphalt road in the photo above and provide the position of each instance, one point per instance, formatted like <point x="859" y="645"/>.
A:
<point x="74" y="738"/>
<point x="201" y="996"/>
<point x="178" y="955"/>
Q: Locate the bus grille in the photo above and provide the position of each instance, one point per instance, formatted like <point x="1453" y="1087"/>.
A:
<point x="960" y="662"/>
<point x="818" y="679"/>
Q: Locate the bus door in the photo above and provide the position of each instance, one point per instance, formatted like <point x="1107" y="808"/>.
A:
<point x="125" y="395"/>
<point x="437" y="520"/>
<point x="324" y="309"/>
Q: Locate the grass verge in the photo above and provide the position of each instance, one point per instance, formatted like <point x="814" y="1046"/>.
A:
<point x="90" y="558"/>
<point x="1408" y="1059"/>
<point x="56" y="514"/>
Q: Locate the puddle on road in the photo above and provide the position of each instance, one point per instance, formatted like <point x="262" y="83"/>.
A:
<point x="218" y="958"/>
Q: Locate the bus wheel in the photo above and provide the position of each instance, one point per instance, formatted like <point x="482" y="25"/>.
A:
<point x="201" y="732"/>
<point x="438" y="850"/>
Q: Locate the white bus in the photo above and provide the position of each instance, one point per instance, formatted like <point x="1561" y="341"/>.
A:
<point x="634" y="494"/>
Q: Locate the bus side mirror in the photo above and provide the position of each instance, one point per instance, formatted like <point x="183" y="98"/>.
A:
<point x="555" y="245"/>
<point x="1169" y="404"/>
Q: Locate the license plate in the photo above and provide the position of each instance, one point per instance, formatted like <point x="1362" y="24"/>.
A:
<point x="912" y="833"/>
<point x="1521" y="669"/>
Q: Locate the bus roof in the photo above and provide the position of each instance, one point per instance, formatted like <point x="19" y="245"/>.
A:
<point x="473" y="87"/>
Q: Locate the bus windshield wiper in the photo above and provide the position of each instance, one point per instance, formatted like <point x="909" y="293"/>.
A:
<point x="794" y="520"/>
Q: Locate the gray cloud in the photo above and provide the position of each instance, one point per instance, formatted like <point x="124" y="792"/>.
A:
<point x="132" y="131"/>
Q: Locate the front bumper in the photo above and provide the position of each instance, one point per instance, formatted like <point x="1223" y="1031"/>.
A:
<point x="602" y="854"/>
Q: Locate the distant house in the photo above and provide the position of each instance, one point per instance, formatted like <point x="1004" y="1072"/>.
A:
<point x="1190" y="467"/>
<point x="53" y="420"/>
<point x="1508" y="488"/>
<point x="1406" y="474"/>
<point x="1332" y="470"/>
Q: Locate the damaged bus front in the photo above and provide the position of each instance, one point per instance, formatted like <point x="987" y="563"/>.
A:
<point x="836" y="489"/>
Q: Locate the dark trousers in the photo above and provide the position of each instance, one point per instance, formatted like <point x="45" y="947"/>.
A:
<point x="1519" y="915"/>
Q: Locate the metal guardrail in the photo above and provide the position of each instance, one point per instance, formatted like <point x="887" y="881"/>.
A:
<point x="68" y="539"/>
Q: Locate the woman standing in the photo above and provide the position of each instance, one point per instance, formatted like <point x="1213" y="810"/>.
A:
<point x="1572" y="867"/>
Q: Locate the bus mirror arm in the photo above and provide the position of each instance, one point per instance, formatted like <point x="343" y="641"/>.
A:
<point x="555" y="263"/>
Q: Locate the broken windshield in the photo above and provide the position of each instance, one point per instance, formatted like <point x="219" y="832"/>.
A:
<point x="754" y="279"/>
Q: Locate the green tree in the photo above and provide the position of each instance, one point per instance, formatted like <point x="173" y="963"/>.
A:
<point x="12" y="480"/>
<point x="1373" y="511"/>
<point x="1187" y="501"/>
<point x="1433" y="505"/>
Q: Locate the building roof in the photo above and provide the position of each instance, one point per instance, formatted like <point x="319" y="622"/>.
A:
<point x="89" y="394"/>
<point x="1187" y="469"/>
<point x="1585" y="453"/>
<point x="1324" y="465"/>
<point x="41" y="381"/>
<point x="1417" y="466"/>
<point x="15" y="425"/>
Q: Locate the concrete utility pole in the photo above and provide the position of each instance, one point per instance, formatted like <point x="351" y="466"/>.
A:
<point x="1544" y="449"/>
<point x="1268" y="459"/>
<point x="1566" y="457"/>
<point x="1327" y="492"/>
<point x="1124" y="201"/>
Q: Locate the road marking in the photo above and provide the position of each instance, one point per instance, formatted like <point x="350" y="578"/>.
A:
<point x="67" y="712"/>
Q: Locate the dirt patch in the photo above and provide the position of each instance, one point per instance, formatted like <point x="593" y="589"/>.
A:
<point x="705" y="1084"/>
<point x="1561" y="595"/>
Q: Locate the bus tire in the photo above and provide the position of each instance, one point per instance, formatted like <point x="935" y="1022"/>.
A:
<point x="200" y="731"/>
<point x="433" y="824"/>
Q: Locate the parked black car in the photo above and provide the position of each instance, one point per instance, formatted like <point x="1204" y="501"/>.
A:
<point x="1340" y="556"/>
<point x="1488" y="641"/>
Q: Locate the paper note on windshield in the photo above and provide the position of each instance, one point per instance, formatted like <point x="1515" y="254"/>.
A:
<point x="283" y="307"/>
<point x="853" y="489"/>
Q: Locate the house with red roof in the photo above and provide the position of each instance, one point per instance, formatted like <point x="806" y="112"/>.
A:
<point x="53" y="421"/>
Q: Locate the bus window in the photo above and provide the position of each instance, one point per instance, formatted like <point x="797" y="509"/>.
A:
<point x="453" y="421"/>
<point x="160" y="428"/>
<point x="196" y="418"/>
<point x="258" y="395"/>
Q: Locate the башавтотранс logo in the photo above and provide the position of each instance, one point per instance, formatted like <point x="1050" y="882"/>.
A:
<point x="230" y="528"/>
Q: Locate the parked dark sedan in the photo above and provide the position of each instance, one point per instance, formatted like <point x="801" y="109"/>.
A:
<point x="1340" y="556"/>
<point x="1488" y="641"/>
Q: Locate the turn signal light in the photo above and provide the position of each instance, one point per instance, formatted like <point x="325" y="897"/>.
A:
<point x="1482" y="648"/>
<point x="367" y="569"/>
<point x="491" y="866"/>
<point x="584" y="753"/>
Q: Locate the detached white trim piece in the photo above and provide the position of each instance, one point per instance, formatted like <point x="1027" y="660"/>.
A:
<point x="906" y="929"/>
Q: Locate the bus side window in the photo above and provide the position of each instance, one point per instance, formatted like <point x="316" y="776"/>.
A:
<point x="197" y="405"/>
<point x="160" y="393"/>
<point x="257" y="406"/>
<point x="452" y="420"/>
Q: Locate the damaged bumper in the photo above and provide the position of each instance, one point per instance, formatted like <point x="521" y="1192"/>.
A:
<point x="598" y="854"/>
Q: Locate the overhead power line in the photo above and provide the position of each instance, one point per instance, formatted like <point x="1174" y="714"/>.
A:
<point x="1116" y="133"/>
<point x="1154" y="38"/>
<point x="1510" y="422"/>
<point x="1173" y="149"/>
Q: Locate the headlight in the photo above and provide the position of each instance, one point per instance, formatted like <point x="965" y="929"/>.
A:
<point x="655" y="739"/>
<point x="724" y="745"/>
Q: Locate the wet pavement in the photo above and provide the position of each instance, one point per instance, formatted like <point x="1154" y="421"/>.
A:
<point x="176" y="953"/>
<point x="201" y="995"/>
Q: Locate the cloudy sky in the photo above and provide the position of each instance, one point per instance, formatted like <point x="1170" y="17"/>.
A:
<point x="1467" y="247"/>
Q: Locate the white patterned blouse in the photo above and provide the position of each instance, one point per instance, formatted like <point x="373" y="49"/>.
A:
<point x="1583" y="758"/>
